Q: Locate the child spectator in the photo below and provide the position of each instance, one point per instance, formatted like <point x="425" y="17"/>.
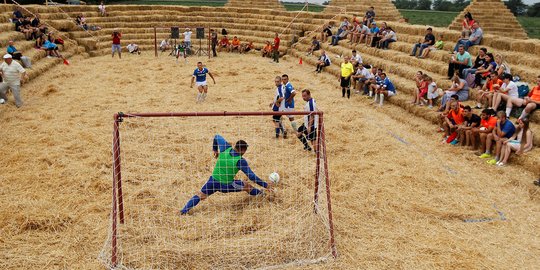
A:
<point x="503" y="130"/>
<point x="433" y="92"/>
<point x="532" y="101"/>
<point x="421" y="89"/>
<point x="521" y="142"/>
<point x="102" y="11"/>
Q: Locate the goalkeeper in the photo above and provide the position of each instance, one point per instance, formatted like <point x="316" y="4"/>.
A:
<point x="229" y="162"/>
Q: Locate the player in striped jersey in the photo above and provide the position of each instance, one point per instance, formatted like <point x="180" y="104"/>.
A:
<point x="277" y="106"/>
<point x="308" y="130"/>
<point x="199" y="74"/>
<point x="289" y="94"/>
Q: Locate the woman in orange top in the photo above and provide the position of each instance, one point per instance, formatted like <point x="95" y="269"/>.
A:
<point x="532" y="101"/>
<point x="467" y="24"/>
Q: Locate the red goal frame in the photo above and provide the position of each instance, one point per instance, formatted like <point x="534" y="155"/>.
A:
<point x="117" y="198"/>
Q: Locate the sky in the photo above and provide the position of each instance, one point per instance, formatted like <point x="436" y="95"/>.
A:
<point x="528" y="2"/>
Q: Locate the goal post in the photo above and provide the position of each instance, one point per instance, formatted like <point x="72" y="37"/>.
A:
<point x="160" y="153"/>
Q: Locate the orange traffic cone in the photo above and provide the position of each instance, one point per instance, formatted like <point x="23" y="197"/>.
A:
<point x="66" y="62"/>
<point x="300" y="61"/>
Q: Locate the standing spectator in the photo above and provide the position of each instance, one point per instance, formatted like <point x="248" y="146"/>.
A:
<point x="12" y="73"/>
<point x="370" y="16"/>
<point x="503" y="130"/>
<point x="484" y="97"/>
<point x="507" y="91"/>
<point x="521" y="142"/>
<point x="187" y="40"/>
<point x="389" y="37"/>
<point x="385" y="89"/>
<point x="487" y="124"/>
<point x="347" y="69"/>
<point x="459" y="61"/>
<point x="214" y="37"/>
<point x="275" y="52"/>
<point x="459" y="87"/>
<point x="474" y="39"/>
<point x="315" y="46"/>
<point x="323" y="62"/>
<point x="102" y="11"/>
<point x="467" y="24"/>
<point x="116" y="35"/>
<point x="532" y="101"/>
<point x="429" y="40"/>
<point x="483" y="71"/>
<point x="478" y="62"/>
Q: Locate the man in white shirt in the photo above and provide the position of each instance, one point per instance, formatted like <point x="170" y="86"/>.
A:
<point x="165" y="45"/>
<point x="187" y="39"/>
<point x="361" y="77"/>
<point x="12" y="72"/>
<point x="356" y="58"/>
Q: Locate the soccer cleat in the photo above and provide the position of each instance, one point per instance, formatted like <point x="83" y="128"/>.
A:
<point x="485" y="155"/>
<point x="492" y="162"/>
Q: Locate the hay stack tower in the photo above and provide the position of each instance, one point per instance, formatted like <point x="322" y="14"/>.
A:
<point x="384" y="9"/>
<point x="263" y="4"/>
<point x="494" y="18"/>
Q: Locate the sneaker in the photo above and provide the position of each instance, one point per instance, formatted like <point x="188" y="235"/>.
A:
<point x="454" y="142"/>
<point x="492" y="162"/>
<point x="477" y="107"/>
<point x="430" y="106"/>
<point x="485" y="155"/>
<point x="500" y="164"/>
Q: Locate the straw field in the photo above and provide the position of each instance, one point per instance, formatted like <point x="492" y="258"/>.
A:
<point x="400" y="198"/>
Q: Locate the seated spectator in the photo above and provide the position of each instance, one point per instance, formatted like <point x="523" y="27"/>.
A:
<point x="360" y="78"/>
<point x="467" y="24"/>
<point x="508" y="90"/>
<point x="438" y="45"/>
<point x="446" y="109"/>
<point x="478" y="62"/>
<point x="235" y="44"/>
<point x="133" y="48"/>
<point x="373" y="31"/>
<point x="471" y="121"/>
<point x="17" y="15"/>
<point x="502" y="66"/>
<point x="484" y="97"/>
<point x="267" y="50"/>
<point x="246" y="47"/>
<point x="364" y="32"/>
<point x="40" y="40"/>
<point x="474" y="39"/>
<point x="12" y="74"/>
<point x="315" y="46"/>
<point x="354" y="31"/>
<point x="460" y="61"/>
<point x="433" y="92"/>
<point x="429" y="40"/>
<point x="165" y="45"/>
<point x="36" y="23"/>
<point x="345" y="23"/>
<point x="418" y="81"/>
<point x="369" y="17"/>
<point x="326" y="32"/>
<point x="80" y="20"/>
<point x="384" y="89"/>
<point x="459" y="87"/>
<point x="380" y="35"/>
<point x="483" y="71"/>
<point x="453" y="120"/>
<point x="25" y="61"/>
<point x="388" y="38"/>
<point x="532" y="101"/>
<point x="52" y="49"/>
<point x="521" y="142"/>
<point x="323" y="62"/>
<point x="503" y="130"/>
<point x="224" y="43"/>
<point x="487" y="123"/>
<point x="102" y="11"/>
<point x="422" y="91"/>
<point x="341" y="34"/>
<point x="356" y="58"/>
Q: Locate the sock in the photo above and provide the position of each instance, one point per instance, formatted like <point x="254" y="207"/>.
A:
<point x="478" y="104"/>
<point x="277" y="131"/>
<point x="303" y="139"/>
<point x="375" y="98"/>
<point x="255" y="192"/>
<point x="382" y="99"/>
<point x="370" y="93"/>
<point x="342" y="92"/>
<point x="190" y="204"/>
<point x="508" y="111"/>
<point x="293" y="125"/>
<point x="523" y="114"/>
<point x="348" y="93"/>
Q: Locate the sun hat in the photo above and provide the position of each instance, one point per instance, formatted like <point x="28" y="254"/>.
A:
<point x="7" y="56"/>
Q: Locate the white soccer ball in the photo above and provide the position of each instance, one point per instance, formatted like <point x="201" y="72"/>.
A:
<point x="2" y="101"/>
<point x="274" y="177"/>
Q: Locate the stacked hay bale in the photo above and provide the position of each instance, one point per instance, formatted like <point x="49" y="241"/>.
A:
<point x="385" y="10"/>
<point x="260" y="4"/>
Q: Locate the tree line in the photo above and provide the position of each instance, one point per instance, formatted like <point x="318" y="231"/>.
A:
<point x="516" y="6"/>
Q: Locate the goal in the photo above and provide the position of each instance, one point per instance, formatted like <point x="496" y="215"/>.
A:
<point x="165" y="158"/>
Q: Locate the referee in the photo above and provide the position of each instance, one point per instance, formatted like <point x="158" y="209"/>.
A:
<point x="347" y="69"/>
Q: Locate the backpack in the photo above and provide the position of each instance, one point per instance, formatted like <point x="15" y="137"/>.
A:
<point x="523" y="89"/>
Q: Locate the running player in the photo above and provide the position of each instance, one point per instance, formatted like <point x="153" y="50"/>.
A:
<point x="229" y="162"/>
<point x="289" y="99"/>
<point x="200" y="74"/>
<point x="278" y="105"/>
<point x="308" y="130"/>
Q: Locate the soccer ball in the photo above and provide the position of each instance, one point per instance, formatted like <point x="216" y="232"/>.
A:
<point x="274" y="177"/>
<point x="2" y="101"/>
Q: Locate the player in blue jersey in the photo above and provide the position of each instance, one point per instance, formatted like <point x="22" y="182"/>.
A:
<point x="289" y="94"/>
<point x="278" y="105"/>
<point x="385" y="88"/>
<point x="308" y="130"/>
<point x="199" y="76"/>
<point x="229" y="162"/>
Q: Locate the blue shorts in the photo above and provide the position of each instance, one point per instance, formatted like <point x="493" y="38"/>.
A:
<point x="212" y="186"/>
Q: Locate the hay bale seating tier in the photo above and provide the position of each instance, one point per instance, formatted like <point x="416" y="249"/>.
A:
<point x="384" y="9"/>
<point x="137" y="22"/>
<point x="264" y="4"/>
<point x="494" y="17"/>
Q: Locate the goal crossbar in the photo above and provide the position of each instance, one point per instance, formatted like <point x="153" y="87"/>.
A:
<point x="117" y="196"/>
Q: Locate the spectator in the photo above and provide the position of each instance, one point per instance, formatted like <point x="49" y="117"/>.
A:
<point x="370" y="16"/>
<point x="459" y="87"/>
<point x="478" y="62"/>
<point x="487" y="124"/>
<point x="116" y="36"/>
<point x="507" y="91"/>
<point x="36" y="23"/>
<point x="429" y="40"/>
<point x="521" y="142"/>
<point x="385" y="89"/>
<point x="502" y="66"/>
<point x="315" y="46"/>
<point x="503" y="130"/>
<point x="102" y="11"/>
<point x="484" y="97"/>
<point x="373" y="31"/>
<point x="39" y="41"/>
<point x="483" y="71"/>
<point x="471" y="121"/>
<point x="235" y="44"/>
<point x="12" y="73"/>
<point x="326" y="32"/>
<point x="275" y="48"/>
<point x="165" y="45"/>
<point x="459" y="62"/>
<point x="347" y="69"/>
<point x="474" y="39"/>
<point x="453" y="120"/>
<point x="80" y="20"/>
<point x="341" y="34"/>
<point x="323" y="62"/>
<point x="439" y="45"/>
<point x="380" y="35"/>
<point x="446" y="109"/>
<point x="187" y="40"/>
<point x="15" y="54"/>
<point x="224" y="43"/>
<point x="17" y="15"/>
<point x="423" y="89"/>
<point x="52" y="50"/>
<point x="418" y="81"/>
<point x="364" y="32"/>
<point x="433" y="92"/>
<point x="467" y="24"/>
<point x="214" y="38"/>
<point x="345" y="23"/>
<point x="133" y="48"/>
<point x="247" y="47"/>
<point x="354" y="32"/>
<point x="360" y="78"/>
<point x="266" y="51"/>
<point x="532" y="101"/>
<point x="525" y="101"/>
<point x="388" y="38"/>
<point x="356" y="58"/>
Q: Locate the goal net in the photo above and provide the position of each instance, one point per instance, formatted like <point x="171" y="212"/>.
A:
<point x="161" y="160"/>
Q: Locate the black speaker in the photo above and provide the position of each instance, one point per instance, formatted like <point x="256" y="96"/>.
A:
<point x="200" y="33"/>
<point x="175" y="32"/>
